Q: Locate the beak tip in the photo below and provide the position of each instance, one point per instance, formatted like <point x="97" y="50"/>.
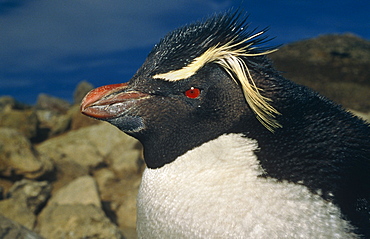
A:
<point x="86" y="101"/>
<point x="96" y="94"/>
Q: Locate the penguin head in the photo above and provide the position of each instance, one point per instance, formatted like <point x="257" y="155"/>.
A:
<point x="201" y="81"/>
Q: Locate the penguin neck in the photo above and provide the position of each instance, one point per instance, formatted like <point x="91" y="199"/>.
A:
<point x="228" y="153"/>
<point x="164" y="147"/>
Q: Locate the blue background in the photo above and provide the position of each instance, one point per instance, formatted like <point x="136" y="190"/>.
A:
<point x="50" y="46"/>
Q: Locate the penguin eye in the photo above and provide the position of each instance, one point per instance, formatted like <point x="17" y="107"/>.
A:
<point x="192" y="93"/>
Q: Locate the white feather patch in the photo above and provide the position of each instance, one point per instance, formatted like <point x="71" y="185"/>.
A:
<point x="214" y="191"/>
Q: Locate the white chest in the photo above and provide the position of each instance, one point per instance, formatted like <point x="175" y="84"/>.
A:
<point x="214" y="191"/>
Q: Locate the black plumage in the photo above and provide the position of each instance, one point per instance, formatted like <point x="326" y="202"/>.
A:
<point x="316" y="143"/>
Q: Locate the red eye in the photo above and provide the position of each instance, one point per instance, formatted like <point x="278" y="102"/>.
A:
<point x="192" y="93"/>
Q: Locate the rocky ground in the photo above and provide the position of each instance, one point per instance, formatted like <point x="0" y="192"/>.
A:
<point x="64" y="175"/>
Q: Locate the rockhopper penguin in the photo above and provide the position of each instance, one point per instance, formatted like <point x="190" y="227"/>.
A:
<point x="233" y="149"/>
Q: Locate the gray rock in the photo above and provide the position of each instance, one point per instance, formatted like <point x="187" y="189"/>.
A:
<point x="18" y="157"/>
<point x="76" y="221"/>
<point x="82" y="190"/>
<point x="47" y="102"/>
<point x="12" y="230"/>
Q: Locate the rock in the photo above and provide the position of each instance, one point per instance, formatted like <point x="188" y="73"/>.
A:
<point x="33" y="194"/>
<point x="61" y="124"/>
<point x="87" y="147"/>
<point x="25" y="121"/>
<point x="81" y="90"/>
<point x="9" y="103"/>
<point x="127" y="157"/>
<point x="26" y="198"/>
<point x="47" y="102"/>
<point x="66" y="172"/>
<point x="53" y="123"/>
<point x="18" y="157"/>
<point x="126" y="213"/>
<point x="77" y="147"/>
<point x="76" y="221"/>
<point x="334" y="65"/>
<point x="120" y="195"/>
<point x="5" y="185"/>
<point x="75" y="211"/>
<point x="79" y="120"/>
<point x="18" y="212"/>
<point x="104" y="177"/>
<point x="12" y="230"/>
<point x="82" y="190"/>
<point x="79" y="152"/>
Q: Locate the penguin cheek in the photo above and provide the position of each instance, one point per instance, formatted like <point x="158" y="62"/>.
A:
<point x="128" y="124"/>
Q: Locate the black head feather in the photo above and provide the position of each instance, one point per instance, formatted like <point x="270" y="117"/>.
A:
<point x="180" y="47"/>
<point x="222" y="39"/>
